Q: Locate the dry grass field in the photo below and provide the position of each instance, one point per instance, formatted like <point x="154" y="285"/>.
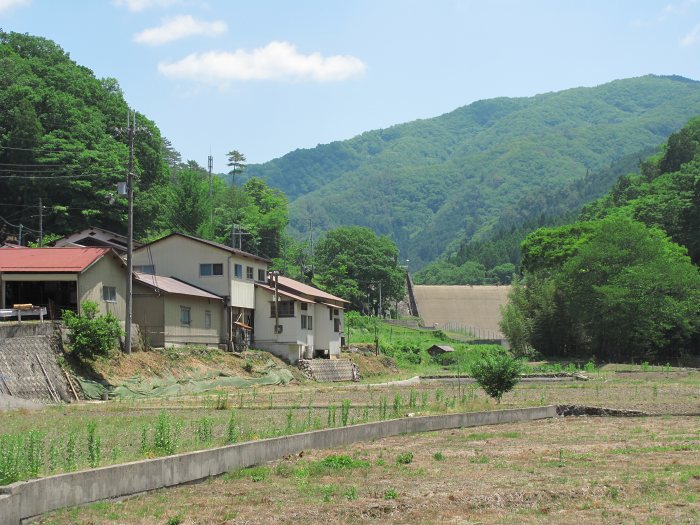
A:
<point x="565" y="470"/>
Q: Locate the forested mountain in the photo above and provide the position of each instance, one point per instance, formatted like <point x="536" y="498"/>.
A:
<point x="495" y="257"/>
<point x="621" y="283"/>
<point x="462" y="174"/>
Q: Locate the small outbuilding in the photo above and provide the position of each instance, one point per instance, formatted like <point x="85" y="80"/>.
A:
<point x="437" y="350"/>
<point x="171" y="312"/>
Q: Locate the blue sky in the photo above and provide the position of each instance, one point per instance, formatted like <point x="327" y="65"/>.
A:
<point x="268" y="77"/>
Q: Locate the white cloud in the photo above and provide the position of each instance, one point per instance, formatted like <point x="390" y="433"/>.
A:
<point x="140" y="5"/>
<point x="692" y="37"/>
<point x="6" y="5"/>
<point x="275" y="61"/>
<point x="179" y="27"/>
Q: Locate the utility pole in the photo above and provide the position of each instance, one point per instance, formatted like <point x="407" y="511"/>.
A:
<point x="19" y="241"/>
<point x="210" y="163"/>
<point x="131" y="130"/>
<point x="311" y="232"/>
<point x="41" y="224"/>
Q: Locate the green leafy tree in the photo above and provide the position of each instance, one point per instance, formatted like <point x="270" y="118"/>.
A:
<point x="497" y="374"/>
<point x="353" y="263"/>
<point x="91" y="334"/>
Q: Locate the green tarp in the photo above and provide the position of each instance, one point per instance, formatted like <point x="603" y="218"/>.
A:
<point x="139" y="387"/>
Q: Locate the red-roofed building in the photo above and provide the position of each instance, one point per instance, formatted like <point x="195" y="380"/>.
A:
<point x="296" y="321"/>
<point x="62" y="278"/>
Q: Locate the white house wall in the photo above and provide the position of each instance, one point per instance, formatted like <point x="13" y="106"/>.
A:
<point x="196" y="332"/>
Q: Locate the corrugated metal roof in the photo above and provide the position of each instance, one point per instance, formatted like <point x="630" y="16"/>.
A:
<point x="307" y="290"/>
<point x="172" y="285"/>
<point x="49" y="260"/>
<point x="284" y="293"/>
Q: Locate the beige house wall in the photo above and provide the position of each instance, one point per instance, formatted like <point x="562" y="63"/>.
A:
<point x="180" y="257"/>
<point x="194" y="333"/>
<point x="159" y="318"/>
<point x="149" y="312"/>
<point x="107" y="271"/>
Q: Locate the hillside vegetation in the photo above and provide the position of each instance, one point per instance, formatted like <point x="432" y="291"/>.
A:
<point x="459" y="175"/>
<point x="622" y="282"/>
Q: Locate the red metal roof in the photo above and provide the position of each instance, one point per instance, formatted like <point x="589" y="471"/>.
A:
<point x="49" y="260"/>
<point x="171" y="285"/>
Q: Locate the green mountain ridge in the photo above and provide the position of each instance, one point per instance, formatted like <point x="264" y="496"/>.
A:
<point x="456" y="176"/>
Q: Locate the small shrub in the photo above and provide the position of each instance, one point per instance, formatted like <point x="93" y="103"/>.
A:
<point x="91" y="334"/>
<point x="175" y="520"/>
<point x="248" y="366"/>
<point x="439" y="456"/>
<point x="404" y="458"/>
<point x="351" y="493"/>
<point x="94" y="445"/>
<point x="344" y="412"/>
<point x="497" y="374"/>
<point x="204" y="430"/>
<point x="166" y="435"/>
<point x="222" y="402"/>
<point x="390" y="494"/>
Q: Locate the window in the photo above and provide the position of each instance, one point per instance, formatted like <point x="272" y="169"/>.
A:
<point x="207" y="319"/>
<point x="330" y="314"/>
<point x="209" y="269"/>
<point x="336" y="325"/>
<point x="238" y="271"/>
<point x="145" y="268"/>
<point x="262" y="277"/>
<point x="304" y="306"/>
<point x="109" y="294"/>
<point x="286" y="309"/>
<point x="307" y="322"/>
<point x="249" y="273"/>
<point x="184" y="315"/>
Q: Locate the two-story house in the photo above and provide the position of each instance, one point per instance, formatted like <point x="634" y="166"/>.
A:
<point x="224" y="271"/>
<point x="296" y="321"/>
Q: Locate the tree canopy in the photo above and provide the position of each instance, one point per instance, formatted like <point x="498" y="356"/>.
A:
<point x="357" y="265"/>
<point x="619" y="284"/>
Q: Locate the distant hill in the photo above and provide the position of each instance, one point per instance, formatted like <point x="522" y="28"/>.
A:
<point x="456" y="177"/>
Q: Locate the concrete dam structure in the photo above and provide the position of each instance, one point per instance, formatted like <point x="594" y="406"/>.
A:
<point x="475" y="307"/>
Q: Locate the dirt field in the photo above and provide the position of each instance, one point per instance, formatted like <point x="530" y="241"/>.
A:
<point x="567" y="470"/>
<point x="475" y="306"/>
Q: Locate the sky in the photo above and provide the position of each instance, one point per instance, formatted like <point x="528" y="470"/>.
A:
<point x="268" y="77"/>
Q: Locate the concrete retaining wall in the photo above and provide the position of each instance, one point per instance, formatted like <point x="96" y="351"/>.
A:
<point x="27" y="499"/>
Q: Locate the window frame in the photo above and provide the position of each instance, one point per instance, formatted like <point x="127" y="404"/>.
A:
<point x="262" y="275"/>
<point x="185" y="310"/>
<point x="249" y="273"/>
<point x="238" y="270"/>
<point x="207" y="319"/>
<point x="109" y="294"/>
<point x="212" y="267"/>
<point x="285" y="310"/>
<point x="148" y="269"/>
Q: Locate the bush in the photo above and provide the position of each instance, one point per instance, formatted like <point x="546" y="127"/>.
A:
<point x="497" y="374"/>
<point x="91" y="334"/>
